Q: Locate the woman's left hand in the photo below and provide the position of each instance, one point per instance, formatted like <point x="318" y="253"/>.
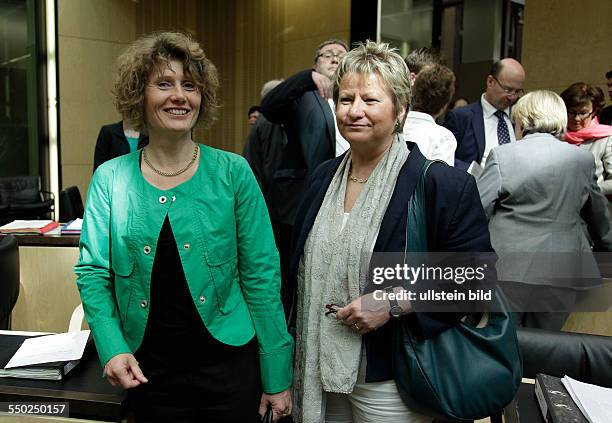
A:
<point x="280" y="403"/>
<point x="364" y="314"/>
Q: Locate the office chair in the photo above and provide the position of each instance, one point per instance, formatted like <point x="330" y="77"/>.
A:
<point x="21" y="197"/>
<point x="9" y="279"/>
<point x="71" y="204"/>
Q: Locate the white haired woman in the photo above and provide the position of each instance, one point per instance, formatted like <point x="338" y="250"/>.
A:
<point x="355" y="205"/>
<point x="536" y="193"/>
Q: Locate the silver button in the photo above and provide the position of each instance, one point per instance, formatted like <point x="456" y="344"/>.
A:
<point x="146" y="249"/>
<point x="173" y="198"/>
<point x="186" y="246"/>
<point x="163" y="199"/>
<point x="144" y="303"/>
<point x="202" y="299"/>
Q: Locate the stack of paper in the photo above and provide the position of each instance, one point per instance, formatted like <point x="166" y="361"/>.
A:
<point x="73" y="227"/>
<point x="28" y="227"/>
<point x="594" y="401"/>
<point x="41" y="357"/>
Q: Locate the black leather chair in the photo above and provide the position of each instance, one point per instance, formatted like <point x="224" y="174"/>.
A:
<point x="9" y="278"/>
<point x="578" y="355"/>
<point x="70" y="204"/>
<point x="21" y="197"/>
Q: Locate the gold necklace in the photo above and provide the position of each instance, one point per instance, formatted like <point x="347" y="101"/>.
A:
<point x="358" y="180"/>
<point x="170" y="174"/>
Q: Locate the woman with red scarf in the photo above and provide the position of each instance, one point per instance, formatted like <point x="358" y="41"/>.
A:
<point x="583" y="103"/>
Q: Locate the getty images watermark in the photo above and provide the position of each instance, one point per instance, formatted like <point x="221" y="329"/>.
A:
<point x="473" y="282"/>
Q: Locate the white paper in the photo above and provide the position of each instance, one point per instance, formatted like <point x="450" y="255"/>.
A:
<point x="75" y="225"/>
<point x="50" y="348"/>
<point x="594" y="401"/>
<point x="26" y="224"/>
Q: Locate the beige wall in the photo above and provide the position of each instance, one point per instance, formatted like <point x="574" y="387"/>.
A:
<point x="91" y="34"/>
<point x="566" y="41"/>
<point x="250" y="42"/>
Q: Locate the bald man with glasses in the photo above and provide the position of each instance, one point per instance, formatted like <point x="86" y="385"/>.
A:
<point x="485" y="124"/>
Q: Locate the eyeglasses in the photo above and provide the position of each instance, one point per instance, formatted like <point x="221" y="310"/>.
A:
<point x="579" y="115"/>
<point x="330" y="54"/>
<point x="510" y="91"/>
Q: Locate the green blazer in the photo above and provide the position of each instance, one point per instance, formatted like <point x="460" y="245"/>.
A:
<point x="227" y="250"/>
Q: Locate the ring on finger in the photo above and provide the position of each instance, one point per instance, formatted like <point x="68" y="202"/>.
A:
<point x="356" y="326"/>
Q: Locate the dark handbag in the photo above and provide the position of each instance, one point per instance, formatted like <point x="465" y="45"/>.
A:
<point x="466" y="372"/>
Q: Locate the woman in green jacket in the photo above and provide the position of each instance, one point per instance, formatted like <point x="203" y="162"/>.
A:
<point x="178" y="270"/>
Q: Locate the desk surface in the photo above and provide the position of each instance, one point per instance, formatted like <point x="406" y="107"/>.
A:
<point x="48" y="240"/>
<point x="89" y="395"/>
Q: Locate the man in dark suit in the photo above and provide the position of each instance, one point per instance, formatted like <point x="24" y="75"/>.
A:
<point x="302" y="105"/>
<point x="485" y="124"/>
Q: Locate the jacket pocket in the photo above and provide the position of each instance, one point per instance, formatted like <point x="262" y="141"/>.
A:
<point x="224" y="271"/>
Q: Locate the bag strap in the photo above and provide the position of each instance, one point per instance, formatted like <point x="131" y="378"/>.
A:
<point x="416" y="222"/>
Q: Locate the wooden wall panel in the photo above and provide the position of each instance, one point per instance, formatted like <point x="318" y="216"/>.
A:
<point x="564" y="42"/>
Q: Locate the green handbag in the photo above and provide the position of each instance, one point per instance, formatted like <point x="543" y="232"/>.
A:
<point x="466" y="372"/>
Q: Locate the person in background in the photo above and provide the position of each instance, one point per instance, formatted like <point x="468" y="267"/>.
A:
<point x="253" y="114"/>
<point x="178" y="272"/>
<point x="433" y="89"/>
<point x="302" y="104"/>
<point x="481" y="126"/>
<point x="115" y="140"/>
<point x="459" y="102"/>
<point x="583" y="102"/>
<point x="536" y="193"/>
<point x="353" y="206"/>
<point x="605" y="116"/>
<point x="421" y="57"/>
<point x="263" y="150"/>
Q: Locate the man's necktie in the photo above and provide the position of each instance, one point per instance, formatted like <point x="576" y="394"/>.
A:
<point x="503" y="136"/>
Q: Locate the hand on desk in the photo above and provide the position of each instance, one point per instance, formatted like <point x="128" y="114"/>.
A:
<point x="280" y="403"/>
<point x="123" y="370"/>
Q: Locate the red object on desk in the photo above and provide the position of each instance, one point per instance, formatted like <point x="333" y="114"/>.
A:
<point x="48" y="227"/>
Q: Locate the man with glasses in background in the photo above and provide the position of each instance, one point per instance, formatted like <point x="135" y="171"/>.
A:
<point x="302" y="104"/>
<point x="485" y="124"/>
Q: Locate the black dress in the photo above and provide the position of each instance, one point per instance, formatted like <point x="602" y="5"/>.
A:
<point x="192" y="376"/>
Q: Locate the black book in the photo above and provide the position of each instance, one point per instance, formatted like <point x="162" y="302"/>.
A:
<point x="9" y="344"/>
<point x="555" y="402"/>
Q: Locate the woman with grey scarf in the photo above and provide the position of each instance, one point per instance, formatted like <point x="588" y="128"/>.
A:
<point x="355" y="205"/>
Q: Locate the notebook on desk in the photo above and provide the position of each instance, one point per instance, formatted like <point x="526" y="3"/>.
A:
<point x="55" y="370"/>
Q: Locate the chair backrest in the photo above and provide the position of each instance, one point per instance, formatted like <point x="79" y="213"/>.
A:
<point x="9" y="278"/>
<point x="20" y="190"/>
<point x="71" y="204"/>
<point x="582" y="356"/>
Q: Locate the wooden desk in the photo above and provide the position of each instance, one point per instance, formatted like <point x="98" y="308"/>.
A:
<point x="48" y="292"/>
<point x="89" y="396"/>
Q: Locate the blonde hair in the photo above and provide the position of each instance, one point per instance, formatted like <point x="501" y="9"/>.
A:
<point x="149" y="54"/>
<point x="541" y="111"/>
<point x="380" y="59"/>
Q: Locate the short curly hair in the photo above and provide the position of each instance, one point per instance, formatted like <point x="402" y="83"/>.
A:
<point x="149" y="54"/>
<point x="379" y="59"/>
<point x="580" y="94"/>
<point x="433" y="89"/>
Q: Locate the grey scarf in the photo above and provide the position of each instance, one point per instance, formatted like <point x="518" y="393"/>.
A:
<point x="333" y="270"/>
